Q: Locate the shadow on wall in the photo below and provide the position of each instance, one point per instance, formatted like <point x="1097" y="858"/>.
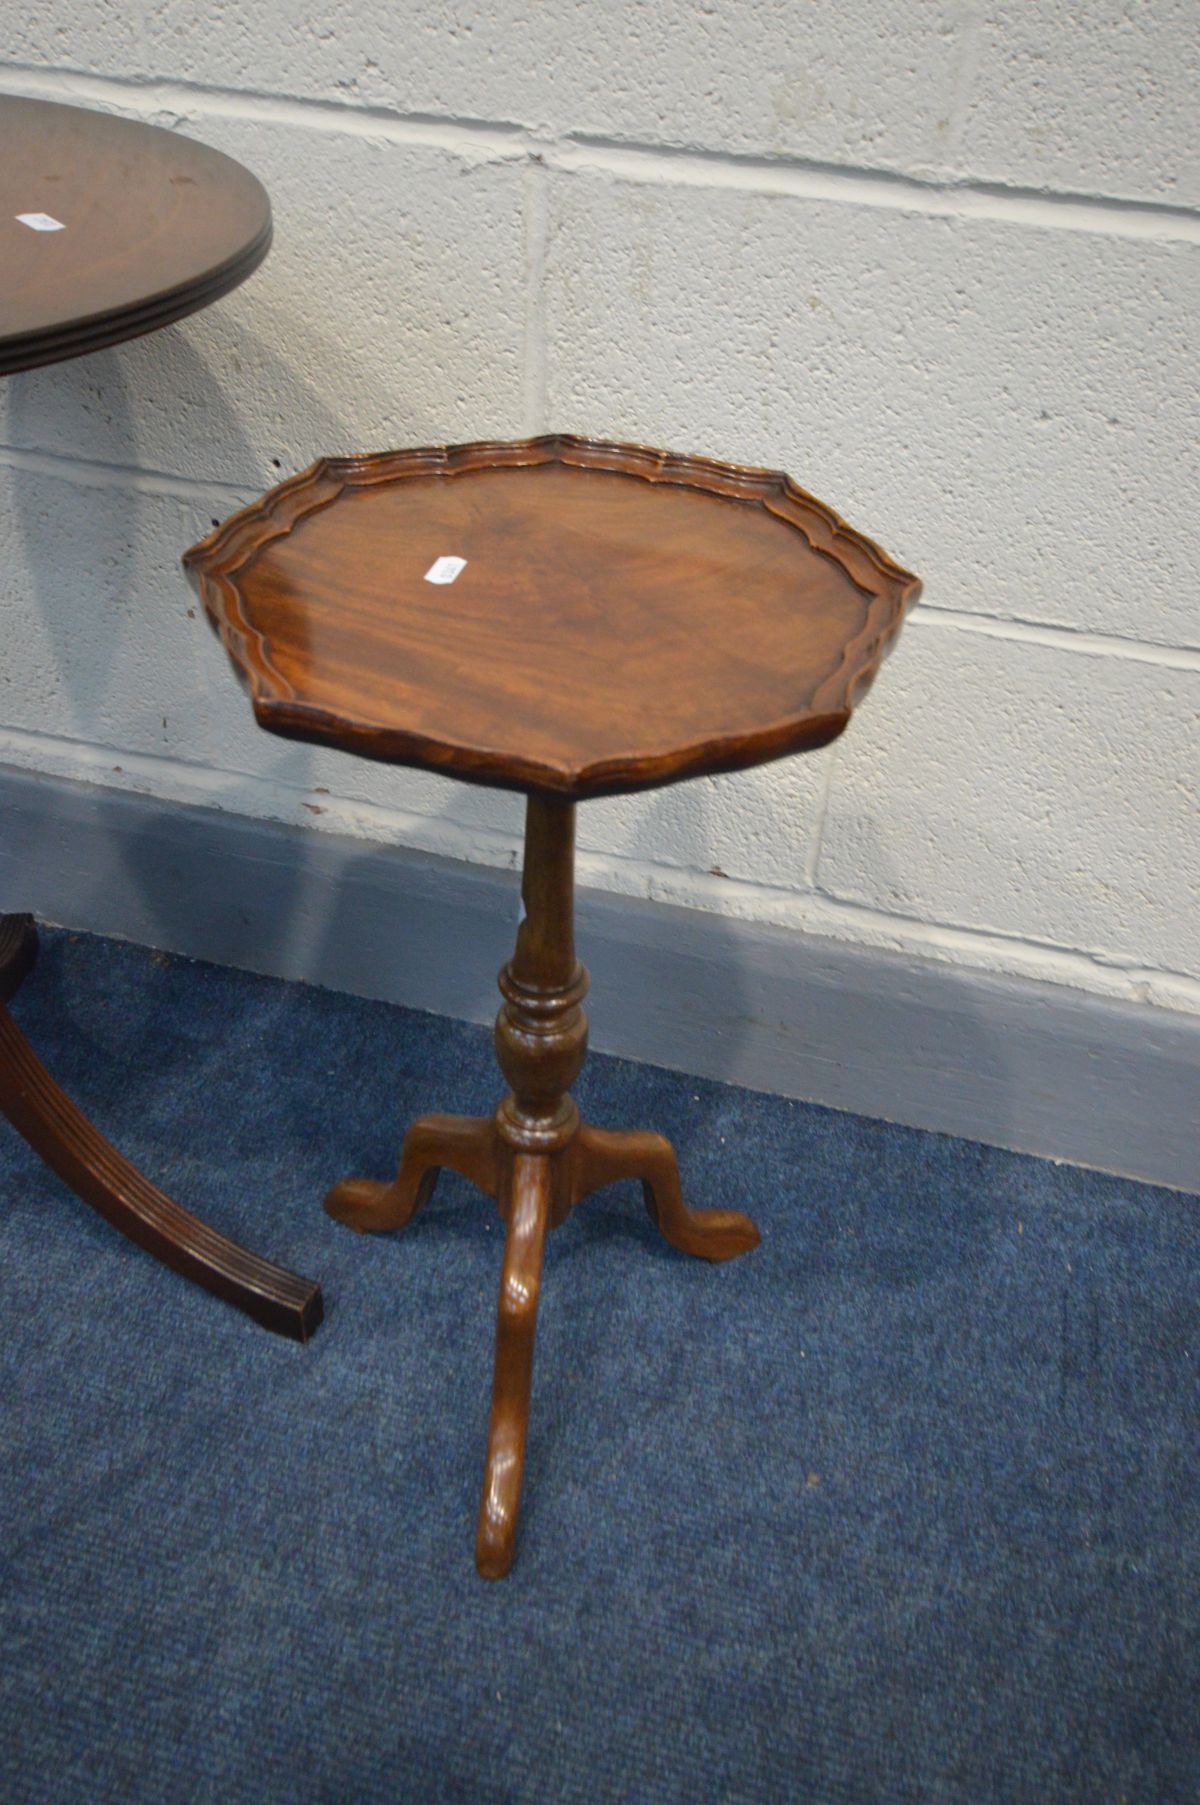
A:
<point x="88" y="558"/>
<point x="107" y="587"/>
<point x="114" y="616"/>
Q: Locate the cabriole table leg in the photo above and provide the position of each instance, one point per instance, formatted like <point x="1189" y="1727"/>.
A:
<point x="526" y="1204"/>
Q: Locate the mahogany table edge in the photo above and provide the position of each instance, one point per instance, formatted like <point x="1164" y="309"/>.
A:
<point x="213" y="562"/>
<point x="78" y="338"/>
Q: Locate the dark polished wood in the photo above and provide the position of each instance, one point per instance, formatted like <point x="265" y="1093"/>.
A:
<point x="154" y="227"/>
<point x="18" y="952"/>
<point x="59" y="1132"/>
<point x="534" y="1157"/>
<point x="626" y="617"/>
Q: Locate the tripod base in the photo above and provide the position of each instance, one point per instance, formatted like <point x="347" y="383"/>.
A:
<point x="535" y="1159"/>
<point x="533" y="1192"/>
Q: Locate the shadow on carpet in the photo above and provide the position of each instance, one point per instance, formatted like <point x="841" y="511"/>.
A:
<point x="900" y="1507"/>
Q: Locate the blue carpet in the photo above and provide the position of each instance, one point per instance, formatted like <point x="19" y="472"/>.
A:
<point x="902" y="1506"/>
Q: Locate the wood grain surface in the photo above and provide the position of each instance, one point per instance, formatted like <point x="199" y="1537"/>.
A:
<point x="625" y="617"/>
<point x="154" y="227"/>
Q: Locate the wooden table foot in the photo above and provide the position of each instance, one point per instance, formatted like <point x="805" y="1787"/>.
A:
<point x="466" y="1144"/>
<point x="601" y="1156"/>
<point x="59" y="1132"/>
<point x="527" y="1207"/>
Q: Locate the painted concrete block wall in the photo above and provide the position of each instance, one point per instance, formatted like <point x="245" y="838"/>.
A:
<point x="941" y="262"/>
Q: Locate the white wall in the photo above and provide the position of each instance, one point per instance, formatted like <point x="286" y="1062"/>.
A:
<point x="937" y="260"/>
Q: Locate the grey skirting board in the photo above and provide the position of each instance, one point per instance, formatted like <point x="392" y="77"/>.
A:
<point x="1037" y="1067"/>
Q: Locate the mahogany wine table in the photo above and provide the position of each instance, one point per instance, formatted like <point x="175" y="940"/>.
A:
<point x="569" y="619"/>
<point x="109" y="229"/>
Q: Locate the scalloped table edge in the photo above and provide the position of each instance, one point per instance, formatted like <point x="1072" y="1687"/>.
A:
<point x="215" y="560"/>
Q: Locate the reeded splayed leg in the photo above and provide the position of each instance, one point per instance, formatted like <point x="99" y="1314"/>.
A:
<point x="466" y="1144"/>
<point x="60" y="1133"/>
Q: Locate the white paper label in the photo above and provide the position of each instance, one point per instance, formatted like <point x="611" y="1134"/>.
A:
<point x="41" y="222"/>
<point x="444" y="570"/>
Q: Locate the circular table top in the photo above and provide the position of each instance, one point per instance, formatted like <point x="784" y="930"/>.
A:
<point x="607" y="618"/>
<point x="126" y="227"/>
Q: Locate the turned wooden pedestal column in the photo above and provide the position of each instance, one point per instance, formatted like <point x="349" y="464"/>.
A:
<point x="534" y="1157"/>
<point x="570" y="619"/>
